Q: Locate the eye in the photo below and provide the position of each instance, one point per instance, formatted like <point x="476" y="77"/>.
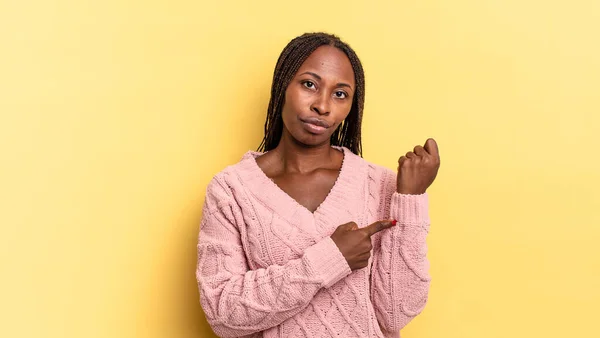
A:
<point x="309" y="84"/>
<point x="340" y="94"/>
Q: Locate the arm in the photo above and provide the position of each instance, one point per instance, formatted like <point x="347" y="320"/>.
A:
<point x="399" y="277"/>
<point x="238" y="301"/>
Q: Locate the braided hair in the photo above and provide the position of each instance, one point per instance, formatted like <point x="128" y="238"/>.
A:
<point x="348" y="133"/>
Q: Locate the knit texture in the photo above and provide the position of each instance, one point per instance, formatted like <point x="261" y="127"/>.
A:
<point x="267" y="266"/>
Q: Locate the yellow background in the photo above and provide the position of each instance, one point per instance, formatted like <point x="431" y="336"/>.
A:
<point x="116" y="114"/>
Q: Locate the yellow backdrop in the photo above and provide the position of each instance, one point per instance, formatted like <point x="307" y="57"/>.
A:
<point x="116" y="114"/>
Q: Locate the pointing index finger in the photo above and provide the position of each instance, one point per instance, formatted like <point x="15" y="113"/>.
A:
<point x="378" y="226"/>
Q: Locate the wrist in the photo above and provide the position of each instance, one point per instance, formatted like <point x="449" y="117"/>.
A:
<point x="405" y="191"/>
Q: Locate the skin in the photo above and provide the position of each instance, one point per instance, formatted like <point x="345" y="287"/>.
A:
<point x="305" y="166"/>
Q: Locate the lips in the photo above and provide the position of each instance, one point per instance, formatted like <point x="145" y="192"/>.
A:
<point x="316" y="121"/>
<point x="315" y="125"/>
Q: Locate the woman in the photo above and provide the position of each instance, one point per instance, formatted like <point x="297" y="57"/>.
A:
<point x="307" y="239"/>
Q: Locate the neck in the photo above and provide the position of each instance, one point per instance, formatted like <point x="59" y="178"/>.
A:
<point x="300" y="158"/>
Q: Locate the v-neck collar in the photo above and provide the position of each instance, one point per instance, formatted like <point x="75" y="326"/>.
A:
<point x="345" y="190"/>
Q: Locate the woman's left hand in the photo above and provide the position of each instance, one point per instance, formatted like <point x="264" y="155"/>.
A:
<point x="418" y="169"/>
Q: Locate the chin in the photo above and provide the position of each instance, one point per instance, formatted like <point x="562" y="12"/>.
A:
<point x="312" y="140"/>
<point x="305" y="138"/>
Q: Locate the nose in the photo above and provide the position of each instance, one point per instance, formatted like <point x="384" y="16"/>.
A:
<point x="321" y="104"/>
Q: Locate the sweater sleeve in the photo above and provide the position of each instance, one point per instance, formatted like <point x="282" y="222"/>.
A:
<point x="238" y="301"/>
<point x="400" y="272"/>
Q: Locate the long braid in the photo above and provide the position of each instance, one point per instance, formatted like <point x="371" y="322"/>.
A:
<point x="348" y="134"/>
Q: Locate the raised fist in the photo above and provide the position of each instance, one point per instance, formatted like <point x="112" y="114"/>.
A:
<point x="418" y="169"/>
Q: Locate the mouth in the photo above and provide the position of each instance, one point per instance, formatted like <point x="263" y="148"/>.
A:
<point x="315" y="125"/>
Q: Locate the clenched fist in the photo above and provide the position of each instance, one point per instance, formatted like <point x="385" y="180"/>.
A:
<point x="418" y="169"/>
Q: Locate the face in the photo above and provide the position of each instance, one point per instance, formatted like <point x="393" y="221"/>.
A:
<point x="319" y="97"/>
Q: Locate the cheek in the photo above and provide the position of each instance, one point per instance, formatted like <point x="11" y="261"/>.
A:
<point x="299" y="100"/>
<point x="343" y="110"/>
<point x="289" y="112"/>
<point x="289" y="102"/>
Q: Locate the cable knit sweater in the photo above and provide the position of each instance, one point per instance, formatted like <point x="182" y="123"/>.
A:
<point x="267" y="266"/>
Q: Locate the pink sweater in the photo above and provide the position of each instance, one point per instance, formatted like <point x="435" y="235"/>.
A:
<point x="268" y="268"/>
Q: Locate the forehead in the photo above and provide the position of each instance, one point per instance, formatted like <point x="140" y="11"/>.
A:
<point x="329" y="63"/>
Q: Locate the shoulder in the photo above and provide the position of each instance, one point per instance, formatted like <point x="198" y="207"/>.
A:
<point x="379" y="170"/>
<point x="381" y="184"/>
<point x="223" y="185"/>
<point x="375" y="172"/>
<point x="381" y="176"/>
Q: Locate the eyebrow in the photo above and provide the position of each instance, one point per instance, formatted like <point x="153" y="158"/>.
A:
<point x="341" y="84"/>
